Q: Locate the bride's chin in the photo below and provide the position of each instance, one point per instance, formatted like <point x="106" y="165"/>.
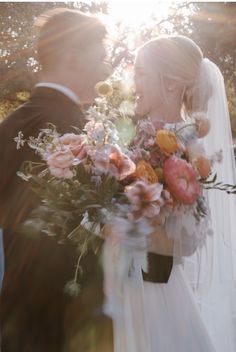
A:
<point x="140" y="109"/>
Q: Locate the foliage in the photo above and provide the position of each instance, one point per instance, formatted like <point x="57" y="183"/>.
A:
<point x="213" y="27"/>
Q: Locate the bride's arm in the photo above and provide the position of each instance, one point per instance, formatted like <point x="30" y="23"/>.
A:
<point x="160" y="243"/>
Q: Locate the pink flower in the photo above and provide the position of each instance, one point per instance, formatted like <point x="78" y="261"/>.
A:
<point x="155" y="158"/>
<point x="61" y="173"/>
<point x="61" y="159"/>
<point x="181" y="180"/>
<point x="59" y="163"/>
<point x="149" y="143"/>
<point x="145" y="198"/>
<point x="110" y="159"/>
<point x="147" y="126"/>
<point x="150" y="127"/>
<point x="136" y="154"/>
<point x="75" y="143"/>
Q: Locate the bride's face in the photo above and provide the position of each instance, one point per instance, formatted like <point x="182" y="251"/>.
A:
<point x="147" y="86"/>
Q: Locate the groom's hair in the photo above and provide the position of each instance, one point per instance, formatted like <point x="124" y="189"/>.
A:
<point x="62" y="29"/>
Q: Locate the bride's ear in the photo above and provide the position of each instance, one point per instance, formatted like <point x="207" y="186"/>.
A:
<point x="170" y="85"/>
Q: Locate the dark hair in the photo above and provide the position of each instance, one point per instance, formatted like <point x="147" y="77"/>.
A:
<point x="62" y="29"/>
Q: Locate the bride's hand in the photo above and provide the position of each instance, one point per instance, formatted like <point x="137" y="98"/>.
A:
<point x="159" y="242"/>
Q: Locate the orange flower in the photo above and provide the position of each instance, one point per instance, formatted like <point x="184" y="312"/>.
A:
<point x="146" y="172"/>
<point x="203" y="166"/>
<point x="167" y="141"/>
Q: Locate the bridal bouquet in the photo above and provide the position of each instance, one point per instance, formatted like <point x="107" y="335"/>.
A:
<point x="81" y="176"/>
<point x="113" y="171"/>
<point x="171" y="157"/>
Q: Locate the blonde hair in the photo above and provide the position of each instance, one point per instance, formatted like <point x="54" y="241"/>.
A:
<point x="179" y="58"/>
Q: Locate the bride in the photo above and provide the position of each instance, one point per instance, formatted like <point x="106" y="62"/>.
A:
<point x="183" y="301"/>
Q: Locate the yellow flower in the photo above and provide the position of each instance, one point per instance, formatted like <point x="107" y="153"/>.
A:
<point x="167" y="141"/>
<point x="146" y="172"/>
<point x="103" y="88"/>
<point x="159" y="173"/>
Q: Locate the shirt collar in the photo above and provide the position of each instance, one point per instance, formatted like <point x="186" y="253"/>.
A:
<point x="63" y="89"/>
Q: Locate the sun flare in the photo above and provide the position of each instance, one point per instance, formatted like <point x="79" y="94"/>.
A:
<point x="134" y="13"/>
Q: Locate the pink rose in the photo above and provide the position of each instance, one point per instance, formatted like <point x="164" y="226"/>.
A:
<point x="75" y="143"/>
<point x="181" y="180"/>
<point x="61" y="159"/>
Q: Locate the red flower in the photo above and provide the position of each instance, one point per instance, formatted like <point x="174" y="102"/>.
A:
<point x="181" y="180"/>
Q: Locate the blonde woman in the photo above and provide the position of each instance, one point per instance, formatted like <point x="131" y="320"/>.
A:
<point x="189" y="307"/>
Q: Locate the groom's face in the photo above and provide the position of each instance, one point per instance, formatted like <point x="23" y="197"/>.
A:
<point x="93" y="67"/>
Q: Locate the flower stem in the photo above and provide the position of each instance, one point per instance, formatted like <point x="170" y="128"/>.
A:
<point x="188" y="125"/>
<point x="79" y="259"/>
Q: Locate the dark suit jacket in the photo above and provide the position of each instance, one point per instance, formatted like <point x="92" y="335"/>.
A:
<point x="33" y="305"/>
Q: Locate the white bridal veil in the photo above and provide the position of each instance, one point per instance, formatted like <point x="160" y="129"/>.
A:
<point x="212" y="269"/>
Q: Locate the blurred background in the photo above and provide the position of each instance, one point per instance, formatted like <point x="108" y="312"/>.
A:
<point x="211" y="24"/>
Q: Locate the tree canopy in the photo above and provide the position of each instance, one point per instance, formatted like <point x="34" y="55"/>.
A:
<point x="211" y="24"/>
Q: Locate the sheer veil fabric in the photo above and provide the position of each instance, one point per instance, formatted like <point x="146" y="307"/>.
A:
<point x="211" y="269"/>
<point x="213" y="274"/>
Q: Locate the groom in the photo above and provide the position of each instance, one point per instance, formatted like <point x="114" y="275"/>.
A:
<point x="35" y="314"/>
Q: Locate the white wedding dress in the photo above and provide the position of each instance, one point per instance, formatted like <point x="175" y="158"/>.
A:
<point x="166" y="313"/>
<point x="153" y="317"/>
<point x="172" y="316"/>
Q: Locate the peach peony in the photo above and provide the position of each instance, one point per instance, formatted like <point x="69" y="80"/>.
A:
<point x="167" y="141"/>
<point x="181" y="180"/>
<point x="203" y="166"/>
<point x="202" y="123"/>
<point x="146" y="172"/>
<point x="110" y="159"/>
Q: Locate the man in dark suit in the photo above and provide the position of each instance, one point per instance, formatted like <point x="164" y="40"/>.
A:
<point x="33" y="306"/>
